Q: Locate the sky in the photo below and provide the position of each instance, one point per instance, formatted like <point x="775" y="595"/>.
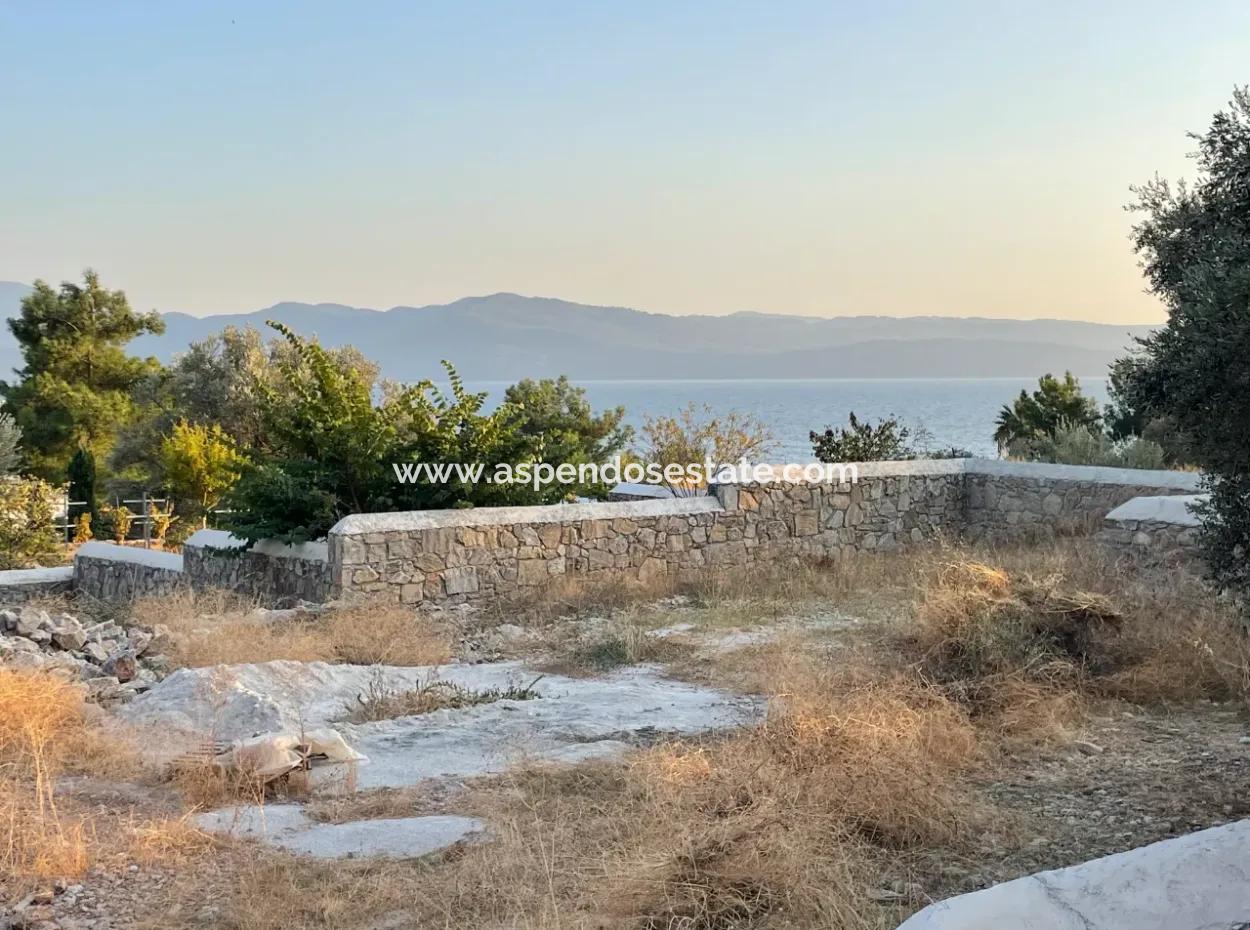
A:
<point x="956" y="158"/>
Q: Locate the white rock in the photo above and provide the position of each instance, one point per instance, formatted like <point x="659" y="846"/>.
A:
<point x="572" y="719"/>
<point x="1195" y="882"/>
<point x="287" y="827"/>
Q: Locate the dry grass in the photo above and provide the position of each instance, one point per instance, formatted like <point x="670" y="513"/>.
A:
<point x="785" y="823"/>
<point x="382" y="702"/>
<point x="364" y="634"/>
<point x="1033" y="633"/>
<point x="46" y="730"/>
<point x="866" y="761"/>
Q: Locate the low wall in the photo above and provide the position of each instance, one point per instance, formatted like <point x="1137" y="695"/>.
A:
<point x="120" y="573"/>
<point x="454" y="556"/>
<point x="269" y="571"/>
<point x="18" y="586"/>
<point x="1154" y="529"/>
<point x="1026" y="501"/>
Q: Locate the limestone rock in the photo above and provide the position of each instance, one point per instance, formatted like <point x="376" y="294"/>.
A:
<point x="1195" y="882"/>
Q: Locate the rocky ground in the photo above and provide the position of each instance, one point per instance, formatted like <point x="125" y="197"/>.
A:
<point x="1127" y="777"/>
<point x="115" y="662"/>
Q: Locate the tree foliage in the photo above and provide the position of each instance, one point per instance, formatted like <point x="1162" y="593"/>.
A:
<point x="82" y="484"/>
<point x="27" y="539"/>
<point x="696" y="436"/>
<point x="74" y="387"/>
<point x="1194" y="373"/>
<point x="862" y="441"/>
<point x="556" y="424"/>
<point x="200" y="464"/>
<point x="330" y="446"/>
<point x="1038" y="415"/>
<point x="217" y="381"/>
<point x="1080" y="445"/>
<point x="10" y="445"/>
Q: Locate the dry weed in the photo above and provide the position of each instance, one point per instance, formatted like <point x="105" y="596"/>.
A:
<point x="364" y="634"/>
<point x="42" y="724"/>
<point x="379" y="701"/>
<point x="1027" y="636"/>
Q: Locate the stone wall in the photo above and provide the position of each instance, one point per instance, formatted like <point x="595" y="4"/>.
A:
<point x="1154" y="529"/>
<point x="120" y="573"/>
<point x="454" y="556"/>
<point x="269" y="571"/>
<point x="1024" y="502"/>
<point x="17" y="586"/>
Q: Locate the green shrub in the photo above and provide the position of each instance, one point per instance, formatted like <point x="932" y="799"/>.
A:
<point x="1035" y="416"/>
<point x="862" y="441"/>
<point x="331" y="447"/>
<point x="1078" y="445"/>
<point x="27" y="538"/>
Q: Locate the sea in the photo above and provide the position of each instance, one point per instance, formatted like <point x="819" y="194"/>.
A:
<point x="944" y="412"/>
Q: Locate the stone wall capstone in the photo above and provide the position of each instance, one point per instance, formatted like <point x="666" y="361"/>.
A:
<point x="1154" y="529"/>
<point x="19" y="585"/>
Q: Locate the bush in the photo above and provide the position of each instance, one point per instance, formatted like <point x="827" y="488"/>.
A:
<point x="696" y="436"/>
<point x="27" y="538"/>
<point x="331" y="449"/>
<point x="861" y="441"/>
<point x="555" y="420"/>
<point x="1040" y="414"/>
<point x="1079" y="445"/>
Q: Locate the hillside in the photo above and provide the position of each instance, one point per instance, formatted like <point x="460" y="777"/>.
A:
<point x="507" y="336"/>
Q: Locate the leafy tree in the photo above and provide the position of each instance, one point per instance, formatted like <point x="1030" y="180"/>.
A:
<point x="861" y="441"/>
<point x="695" y="436"/>
<point x="555" y="421"/>
<point x="74" y="388"/>
<point x="200" y="463"/>
<point x="330" y="448"/>
<point x="1036" y="415"/>
<point x="1194" y="242"/>
<point x="218" y="380"/>
<point x="10" y="445"/>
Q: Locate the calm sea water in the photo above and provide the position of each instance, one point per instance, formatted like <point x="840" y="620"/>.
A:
<point x="955" y="412"/>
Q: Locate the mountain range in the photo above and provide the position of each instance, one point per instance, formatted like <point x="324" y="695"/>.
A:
<point x="505" y="337"/>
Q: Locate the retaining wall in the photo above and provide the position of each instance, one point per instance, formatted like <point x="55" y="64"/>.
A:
<point x="1027" y="501"/>
<point x="1154" y="529"/>
<point x="118" y="573"/>
<point x="23" y="584"/>
<point x="463" y="555"/>
<point x="454" y="556"/>
<point x="269" y="571"/>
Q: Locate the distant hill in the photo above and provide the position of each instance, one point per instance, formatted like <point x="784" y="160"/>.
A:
<point x="507" y="337"/>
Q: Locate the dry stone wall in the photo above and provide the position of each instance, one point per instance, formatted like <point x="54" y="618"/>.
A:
<point x="1024" y="502"/>
<point x="456" y="556"/>
<point x="269" y="571"/>
<point x="120" y="573"/>
<point x="17" y="586"/>
<point x="465" y="555"/>
<point x="1154" y="529"/>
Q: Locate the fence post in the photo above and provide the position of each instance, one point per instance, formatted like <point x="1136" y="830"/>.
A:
<point x="147" y="522"/>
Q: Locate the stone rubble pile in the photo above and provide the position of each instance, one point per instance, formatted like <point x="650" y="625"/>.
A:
<point x="115" y="662"/>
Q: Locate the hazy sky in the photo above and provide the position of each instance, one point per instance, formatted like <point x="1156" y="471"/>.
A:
<point x="824" y="158"/>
